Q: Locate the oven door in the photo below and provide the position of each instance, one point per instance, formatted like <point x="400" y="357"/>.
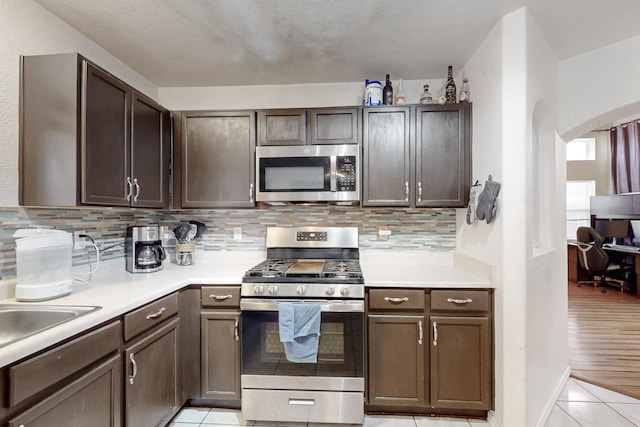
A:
<point x="340" y="347"/>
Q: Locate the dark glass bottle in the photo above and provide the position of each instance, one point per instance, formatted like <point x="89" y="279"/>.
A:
<point x="387" y="92"/>
<point x="450" y="90"/>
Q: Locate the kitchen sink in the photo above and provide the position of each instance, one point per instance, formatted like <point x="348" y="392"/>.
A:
<point x="19" y="321"/>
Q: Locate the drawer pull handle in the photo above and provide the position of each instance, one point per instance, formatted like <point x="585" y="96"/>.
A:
<point x="220" y="297"/>
<point x="421" y="333"/>
<point x="396" y="299"/>
<point x="304" y="402"/>
<point x="435" y="334"/>
<point x="134" y="369"/>
<point x="156" y="314"/>
<point x="459" y="301"/>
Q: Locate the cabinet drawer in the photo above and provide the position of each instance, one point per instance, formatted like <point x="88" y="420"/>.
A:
<point x="460" y="300"/>
<point x="396" y="299"/>
<point x="40" y="372"/>
<point x="220" y="296"/>
<point x="150" y="315"/>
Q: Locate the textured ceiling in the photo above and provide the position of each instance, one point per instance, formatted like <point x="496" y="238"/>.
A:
<point x="246" y="42"/>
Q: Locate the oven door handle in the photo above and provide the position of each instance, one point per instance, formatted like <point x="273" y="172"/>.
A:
<point x="327" y="306"/>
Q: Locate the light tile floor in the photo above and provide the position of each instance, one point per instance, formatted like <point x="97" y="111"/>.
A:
<point x="579" y="405"/>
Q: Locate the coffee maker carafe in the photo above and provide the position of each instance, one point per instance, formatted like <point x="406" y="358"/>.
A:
<point x="143" y="250"/>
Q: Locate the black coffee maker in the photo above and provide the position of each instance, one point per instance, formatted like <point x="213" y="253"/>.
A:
<point x="143" y="251"/>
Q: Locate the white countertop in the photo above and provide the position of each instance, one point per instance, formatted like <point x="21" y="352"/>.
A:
<point x="118" y="291"/>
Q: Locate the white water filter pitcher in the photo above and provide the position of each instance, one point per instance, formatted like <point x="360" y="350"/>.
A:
<point x="43" y="261"/>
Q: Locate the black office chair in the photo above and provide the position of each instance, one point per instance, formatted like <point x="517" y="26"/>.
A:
<point x="595" y="260"/>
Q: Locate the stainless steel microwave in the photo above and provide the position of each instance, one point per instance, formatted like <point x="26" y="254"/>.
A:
<point x="308" y="173"/>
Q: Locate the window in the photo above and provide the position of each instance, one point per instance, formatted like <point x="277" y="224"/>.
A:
<point x="581" y="149"/>
<point x="578" y="205"/>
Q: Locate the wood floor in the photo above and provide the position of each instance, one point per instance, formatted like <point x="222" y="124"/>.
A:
<point x="604" y="338"/>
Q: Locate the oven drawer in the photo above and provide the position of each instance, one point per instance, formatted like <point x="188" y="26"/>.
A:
<point x="460" y="300"/>
<point x="396" y="299"/>
<point x="220" y="296"/>
<point x="303" y="406"/>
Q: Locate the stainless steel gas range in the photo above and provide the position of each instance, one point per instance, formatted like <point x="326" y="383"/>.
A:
<point x="317" y="267"/>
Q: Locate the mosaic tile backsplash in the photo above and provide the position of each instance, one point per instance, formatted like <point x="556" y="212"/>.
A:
<point x="411" y="229"/>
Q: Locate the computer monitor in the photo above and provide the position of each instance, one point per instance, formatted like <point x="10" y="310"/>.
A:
<point x="617" y="230"/>
<point x="635" y="228"/>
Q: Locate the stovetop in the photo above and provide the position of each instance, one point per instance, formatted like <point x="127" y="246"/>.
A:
<point x="307" y="270"/>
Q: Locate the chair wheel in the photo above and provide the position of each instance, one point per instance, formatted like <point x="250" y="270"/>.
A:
<point x="579" y="285"/>
<point x="603" y="290"/>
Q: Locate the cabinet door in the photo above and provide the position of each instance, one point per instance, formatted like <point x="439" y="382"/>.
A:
<point x="105" y="124"/>
<point x="282" y="127"/>
<point x="94" y="399"/>
<point x="396" y="360"/>
<point x="386" y="167"/>
<point x="460" y="362"/>
<point x="218" y="157"/>
<point x="442" y="156"/>
<point x="220" y="345"/>
<point x="150" y="153"/>
<point x="334" y="126"/>
<point x="151" y="378"/>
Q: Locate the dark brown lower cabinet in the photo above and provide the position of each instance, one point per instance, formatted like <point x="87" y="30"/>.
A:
<point x="220" y="343"/>
<point x="460" y="362"/>
<point x="396" y="360"/>
<point x="443" y="365"/>
<point x="151" y="377"/>
<point x="91" y="400"/>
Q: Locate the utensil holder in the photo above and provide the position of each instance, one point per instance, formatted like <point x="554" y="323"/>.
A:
<point x="185" y="253"/>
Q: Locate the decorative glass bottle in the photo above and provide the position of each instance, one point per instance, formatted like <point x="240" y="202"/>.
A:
<point x="426" y="97"/>
<point x="400" y="99"/>
<point x="450" y="91"/>
<point x="464" y="91"/>
<point x="387" y="92"/>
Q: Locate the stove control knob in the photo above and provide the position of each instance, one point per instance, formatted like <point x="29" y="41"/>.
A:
<point x="258" y="290"/>
<point x="273" y="290"/>
<point x="345" y="291"/>
<point x="329" y="291"/>
<point x="301" y="290"/>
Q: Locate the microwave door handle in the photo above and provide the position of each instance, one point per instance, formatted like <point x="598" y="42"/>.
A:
<point x="334" y="174"/>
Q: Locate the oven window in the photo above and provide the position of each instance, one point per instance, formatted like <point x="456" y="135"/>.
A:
<point x="340" y="348"/>
<point x="295" y="174"/>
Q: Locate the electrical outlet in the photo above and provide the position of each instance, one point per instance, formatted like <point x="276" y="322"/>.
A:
<point x="79" y="242"/>
<point x="237" y="233"/>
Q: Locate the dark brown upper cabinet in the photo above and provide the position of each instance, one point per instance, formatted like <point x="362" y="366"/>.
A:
<point x="312" y="126"/>
<point x="417" y="156"/>
<point x="87" y="138"/>
<point x="214" y="159"/>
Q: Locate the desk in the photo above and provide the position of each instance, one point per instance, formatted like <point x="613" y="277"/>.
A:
<point x="576" y="273"/>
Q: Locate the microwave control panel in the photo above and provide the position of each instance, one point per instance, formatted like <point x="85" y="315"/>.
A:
<point x="346" y="171"/>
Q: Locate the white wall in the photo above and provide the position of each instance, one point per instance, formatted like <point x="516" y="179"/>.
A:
<point x="26" y="28"/>
<point x="484" y="241"/>
<point x="599" y="87"/>
<point x="547" y="366"/>
<point x="282" y="96"/>
<point x="514" y="79"/>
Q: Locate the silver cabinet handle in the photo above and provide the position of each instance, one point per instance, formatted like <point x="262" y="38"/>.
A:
<point x="235" y="329"/>
<point x="396" y="299"/>
<point x="251" y="192"/>
<point x="421" y="335"/>
<point x="406" y="191"/>
<point x="220" y="297"/>
<point x="135" y="182"/>
<point x="134" y="369"/>
<point x="435" y="334"/>
<point x="459" y="301"/>
<point x="420" y="191"/>
<point x="156" y="314"/>
<point x="130" y="185"/>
